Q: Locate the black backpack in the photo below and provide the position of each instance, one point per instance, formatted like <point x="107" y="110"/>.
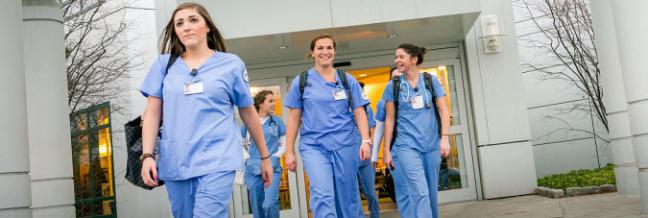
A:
<point x="396" y="91"/>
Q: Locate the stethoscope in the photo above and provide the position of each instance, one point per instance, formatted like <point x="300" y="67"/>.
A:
<point x="272" y="125"/>
<point x="407" y="98"/>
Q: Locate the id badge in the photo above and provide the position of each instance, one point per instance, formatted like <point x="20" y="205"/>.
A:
<point x="339" y="95"/>
<point x="195" y="87"/>
<point x="417" y="102"/>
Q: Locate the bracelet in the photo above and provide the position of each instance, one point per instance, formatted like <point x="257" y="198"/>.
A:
<point x="445" y="134"/>
<point x="266" y="157"/>
<point x="147" y="155"/>
<point x="367" y="141"/>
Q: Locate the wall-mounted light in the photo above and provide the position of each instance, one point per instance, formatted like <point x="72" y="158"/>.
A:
<point x="282" y="47"/>
<point x="491" y="34"/>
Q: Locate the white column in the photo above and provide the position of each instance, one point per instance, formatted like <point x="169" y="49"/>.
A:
<point x="625" y="167"/>
<point x="47" y="110"/>
<point x="631" y="31"/>
<point x="15" y="197"/>
<point x="506" y="160"/>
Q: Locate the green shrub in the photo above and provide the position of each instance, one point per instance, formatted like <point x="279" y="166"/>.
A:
<point x="579" y="178"/>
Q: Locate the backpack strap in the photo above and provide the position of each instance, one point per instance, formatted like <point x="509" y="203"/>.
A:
<point x="345" y="83"/>
<point x="430" y="87"/>
<point x="172" y="59"/>
<point x="303" y="82"/>
<point x="396" y="93"/>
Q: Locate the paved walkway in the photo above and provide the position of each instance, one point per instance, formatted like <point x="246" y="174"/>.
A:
<point x="600" y="205"/>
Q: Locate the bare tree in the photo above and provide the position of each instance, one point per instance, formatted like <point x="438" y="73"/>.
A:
<point x="567" y="39"/>
<point x="96" y="51"/>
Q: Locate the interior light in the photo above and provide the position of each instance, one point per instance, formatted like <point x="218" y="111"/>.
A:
<point x="363" y="75"/>
<point x="103" y="150"/>
<point x="282" y="47"/>
<point x="254" y="90"/>
<point x="442" y="68"/>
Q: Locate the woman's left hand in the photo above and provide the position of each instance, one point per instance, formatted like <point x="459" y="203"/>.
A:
<point x="445" y="146"/>
<point x="365" y="151"/>
<point x="266" y="172"/>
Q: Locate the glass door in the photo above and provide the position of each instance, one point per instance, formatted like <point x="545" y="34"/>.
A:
<point x="456" y="177"/>
<point x="288" y="194"/>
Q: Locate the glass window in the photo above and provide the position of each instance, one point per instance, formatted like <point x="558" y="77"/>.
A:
<point x="94" y="183"/>
<point x="446" y="76"/>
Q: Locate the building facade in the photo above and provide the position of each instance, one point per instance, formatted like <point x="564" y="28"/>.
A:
<point x="485" y="89"/>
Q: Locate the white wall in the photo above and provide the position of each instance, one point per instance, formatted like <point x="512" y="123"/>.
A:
<point x="237" y="19"/>
<point x="560" y="117"/>
<point x="499" y="108"/>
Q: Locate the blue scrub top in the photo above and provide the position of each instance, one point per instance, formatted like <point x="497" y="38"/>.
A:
<point x="380" y="110"/>
<point x="416" y="128"/>
<point x="326" y="122"/>
<point x="272" y="131"/>
<point x="199" y="134"/>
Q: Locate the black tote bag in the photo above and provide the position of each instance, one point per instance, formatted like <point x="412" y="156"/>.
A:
<point x="133" y="130"/>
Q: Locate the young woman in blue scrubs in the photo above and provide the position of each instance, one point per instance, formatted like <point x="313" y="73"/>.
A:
<point x="200" y="146"/>
<point x="400" y="182"/>
<point x="418" y="144"/>
<point x="367" y="173"/>
<point x="331" y="130"/>
<point x="264" y="201"/>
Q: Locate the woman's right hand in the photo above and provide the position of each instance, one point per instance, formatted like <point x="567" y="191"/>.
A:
<point x="149" y="172"/>
<point x="290" y="161"/>
<point x="387" y="160"/>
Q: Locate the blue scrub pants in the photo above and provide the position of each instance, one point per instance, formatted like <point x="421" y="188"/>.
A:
<point x="264" y="201"/>
<point x="367" y="176"/>
<point x="422" y="172"/>
<point x="203" y="196"/>
<point x="400" y="186"/>
<point x="333" y="180"/>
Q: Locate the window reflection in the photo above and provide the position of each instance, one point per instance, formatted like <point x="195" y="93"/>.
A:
<point x="93" y="163"/>
<point x="284" y="188"/>
<point x="452" y="174"/>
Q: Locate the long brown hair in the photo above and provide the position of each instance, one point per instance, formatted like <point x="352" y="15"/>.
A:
<point x="171" y="43"/>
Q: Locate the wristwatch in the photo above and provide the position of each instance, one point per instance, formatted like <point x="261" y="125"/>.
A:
<point x="147" y="155"/>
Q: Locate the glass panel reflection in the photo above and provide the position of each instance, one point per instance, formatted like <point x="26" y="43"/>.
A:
<point x="446" y="76"/>
<point x="92" y="163"/>
<point x="284" y="188"/>
<point x="453" y="168"/>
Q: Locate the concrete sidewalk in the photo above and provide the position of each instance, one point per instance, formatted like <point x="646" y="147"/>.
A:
<point x="599" y="205"/>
